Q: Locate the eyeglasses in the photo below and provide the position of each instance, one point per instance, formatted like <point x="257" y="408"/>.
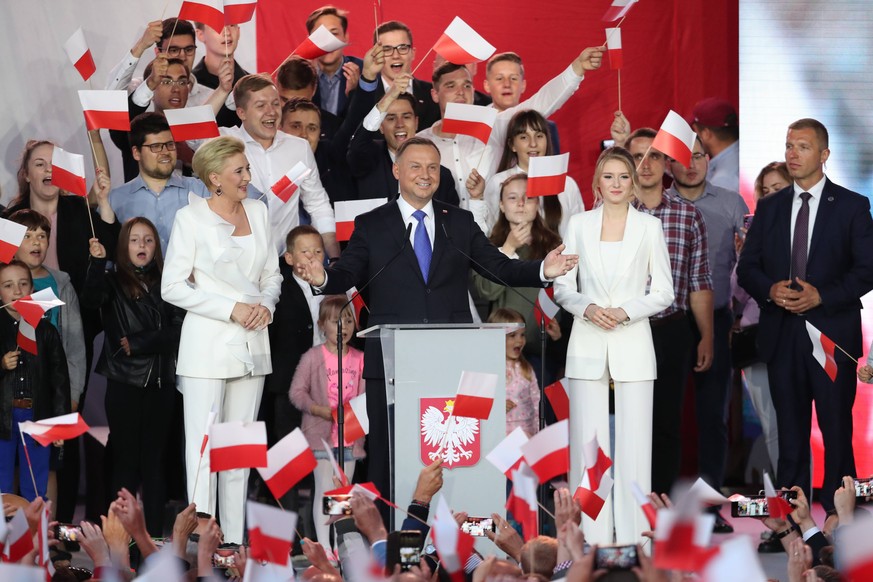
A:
<point x="174" y="51"/>
<point x="157" y="148"/>
<point x="167" y="82"/>
<point x="402" y="49"/>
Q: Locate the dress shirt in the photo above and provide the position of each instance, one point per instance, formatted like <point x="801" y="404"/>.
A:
<point x="198" y="94"/>
<point x="723" y="212"/>
<point x="796" y="202"/>
<point x="406" y="211"/>
<point x="314" y="303"/>
<point x="135" y="198"/>
<point x="329" y="87"/>
<point x="121" y="77"/>
<point x="271" y="164"/>
<point x="724" y="168"/>
<point x="462" y="153"/>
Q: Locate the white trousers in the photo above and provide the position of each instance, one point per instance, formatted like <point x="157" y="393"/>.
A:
<point x="589" y="415"/>
<point x="324" y="482"/>
<point x="235" y="399"/>
<point x="758" y="385"/>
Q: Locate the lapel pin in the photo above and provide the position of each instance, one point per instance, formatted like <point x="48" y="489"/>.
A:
<point x="830" y="198"/>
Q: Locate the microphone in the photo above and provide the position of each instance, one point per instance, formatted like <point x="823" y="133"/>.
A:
<point x="340" y="413"/>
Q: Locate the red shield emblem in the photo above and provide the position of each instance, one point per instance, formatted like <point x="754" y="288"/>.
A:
<point x="455" y="439"/>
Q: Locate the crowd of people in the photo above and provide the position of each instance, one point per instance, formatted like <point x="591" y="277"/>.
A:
<point x="218" y="296"/>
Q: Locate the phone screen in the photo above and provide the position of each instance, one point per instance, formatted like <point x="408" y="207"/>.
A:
<point x="477" y="526"/>
<point x="339" y="505"/>
<point x="616" y="558"/>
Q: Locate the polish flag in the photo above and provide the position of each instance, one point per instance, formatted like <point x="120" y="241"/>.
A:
<point x="462" y="45"/>
<point x="237" y="445"/>
<point x="33" y="307"/>
<point x="777" y="505"/>
<point x="596" y="481"/>
<point x="645" y="504"/>
<point x="289" y="461"/>
<point x="26" y="337"/>
<point x="473" y="120"/>
<point x="559" y="398"/>
<point x="737" y="559"/>
<point x="337" y="470"/>
<point x="105" y="109"/>
<point x="855" y="550"/>
<point x="506" y="456"/>
<point x="548" y="451"/>
<point x="271" y="533"/>
<point x="522" y="501"/>
<point x="239" y="11"/>
<point x="545" y="306"/>
<point x="11" y="235"/>
<point x="454" y="547"/>
<point x="823" y="351"/>
<point x="80" y="55"/>
<point x="547" y="175"/>
<point x="613" y="48"/>
<point x="682" y="536"/>
<point x="356" y="423"/>
<point x="191" y="123"/>
<point x="209" y="12"/>
<point x="357" y="301"/>
<point x="18" y="540"/>
<point x="210" y="420"/>
<point x="368" y="490"/>
<point x="675" y="139"/>
<point x="68" y="172"/>
<point x="57" y="428"/>
<point x="707" y="494"/>
<point x="618" y="9"/>
<point x="319" y="43"/>
<point x="475" y="395"/>
<point x="42" y="537"/>
<point x="348" y="210"/>
<point x="287" y="185"/>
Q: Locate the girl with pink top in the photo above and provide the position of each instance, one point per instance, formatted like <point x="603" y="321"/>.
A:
<point x="522" y="390"/>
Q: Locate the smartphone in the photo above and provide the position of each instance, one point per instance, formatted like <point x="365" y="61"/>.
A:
<point x="403" y="548"/>
<point x="747" y="221"/>
<point x="477" y="526"/>
<point x="864" y="487"/>
<point x="336" y="505"/>
<point x="66" y="532"/>
<point x="757" y="506"/>
<point x="223" y="557"/>
<point x="616" y="558"/>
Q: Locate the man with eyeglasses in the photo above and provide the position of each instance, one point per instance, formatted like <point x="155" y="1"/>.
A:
<point x="396" y="40"/>
<point x="676" y="351"/>
<point x="723" y="211"/>
<point x="155" y="193"/>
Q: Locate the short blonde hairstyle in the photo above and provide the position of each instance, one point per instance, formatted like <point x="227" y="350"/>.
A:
<point x="211" y="157"/>
<point x="623" y="156"/>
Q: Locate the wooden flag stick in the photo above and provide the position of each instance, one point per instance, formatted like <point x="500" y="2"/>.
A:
<point x="90" y="218"/>
<point x="376" y="13"/>
<point x="164" y="11"/>
<point x="273" y="75"/>
<point x="282" y="507"/>
<point x="172" y="33"/>
<point x="616" y="27"/>
<point x="29" y="465"/>
<point x="549" y="513"/>
<point x="643" y="158"/>
<point x="619" y="89"/>
<point x="421" y="61"/>
<point x="197" y="477"/>
<point x="847" y="354"/>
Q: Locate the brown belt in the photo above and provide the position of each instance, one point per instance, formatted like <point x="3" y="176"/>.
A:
<point x="22" y="403"/>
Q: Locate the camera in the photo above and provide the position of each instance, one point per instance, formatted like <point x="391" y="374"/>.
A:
<point x="757" y="506"/>
<point x="616" y="558"/>
<point x="403" y="548"/>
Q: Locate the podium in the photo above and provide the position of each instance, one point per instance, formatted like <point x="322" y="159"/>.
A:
<point x="423" y="364"/>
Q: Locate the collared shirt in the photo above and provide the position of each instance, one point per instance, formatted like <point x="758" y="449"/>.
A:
<point x="406" y="211"/>
<point x="314" y="303"/>
<point x="269" y="165"/>
<point x="121" y="77"/>
<point x="816" y="192"/>
<point x="723" y="211"/>
<point x="462" y="153"/>
<point x="329" y="89"/>
<point x="135" y="198"/>
<point x="685" y="234"/>
<point x="724" y="168"/>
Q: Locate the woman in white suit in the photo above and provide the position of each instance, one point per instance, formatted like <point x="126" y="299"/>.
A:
<point x="623" y="277"/>
<point x="222" y="269"/>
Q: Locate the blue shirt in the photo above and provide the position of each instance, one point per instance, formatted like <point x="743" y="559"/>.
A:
<point x="136" y="199"/>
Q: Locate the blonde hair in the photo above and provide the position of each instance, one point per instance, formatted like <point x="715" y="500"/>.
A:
<point x="211" y="157"/>
<point x="507" y="315"/>
<point x="622" y="155"/>
<point x="330" y="307"/>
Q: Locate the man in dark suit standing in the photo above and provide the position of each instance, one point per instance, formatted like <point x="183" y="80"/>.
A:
<point x="425" y="276"/>
<point x="807" y="258"/>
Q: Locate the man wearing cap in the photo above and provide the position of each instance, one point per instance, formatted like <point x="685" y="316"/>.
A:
<point x="716" y="123"/>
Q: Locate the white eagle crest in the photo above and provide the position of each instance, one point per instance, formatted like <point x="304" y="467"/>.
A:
<point x="461" y="432"/>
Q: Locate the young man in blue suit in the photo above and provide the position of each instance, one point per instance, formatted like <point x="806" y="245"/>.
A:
<point x="807" y="259"/>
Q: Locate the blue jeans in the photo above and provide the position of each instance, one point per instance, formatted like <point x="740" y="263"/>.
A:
<point x="39" y="460"/>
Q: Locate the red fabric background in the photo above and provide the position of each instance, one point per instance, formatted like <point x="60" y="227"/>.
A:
<point x="675" y="53"/>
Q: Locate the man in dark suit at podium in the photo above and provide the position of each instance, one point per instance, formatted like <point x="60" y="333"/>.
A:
<point x="425" y="276"/>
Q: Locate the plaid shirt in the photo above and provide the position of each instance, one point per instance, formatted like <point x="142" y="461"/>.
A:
<point x="685" y="233"/>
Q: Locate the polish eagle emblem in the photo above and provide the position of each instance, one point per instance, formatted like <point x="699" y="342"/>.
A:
<point x="454" y="438"/>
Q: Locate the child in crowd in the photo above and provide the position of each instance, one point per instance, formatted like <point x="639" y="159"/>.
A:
<point x="522" y="390"/>
<point x="34" y="387"/>
<point x="140" y="347"/>
<point x="314" y="392"/>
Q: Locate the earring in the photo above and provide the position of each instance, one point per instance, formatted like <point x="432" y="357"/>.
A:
<point x="218" y="190"/>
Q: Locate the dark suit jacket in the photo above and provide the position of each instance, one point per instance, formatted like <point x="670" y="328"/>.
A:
<point x="370" y="165"/>
<point x="225" y="117"/>
<point x="344" y="100"/>
<point x="839" y="265"/>
<point x="428" y="112"/>
<point x="399" y="294"/>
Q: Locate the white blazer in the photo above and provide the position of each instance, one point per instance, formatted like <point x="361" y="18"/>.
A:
<point x="642" y="286"/>
<point x="203" y="275"/>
